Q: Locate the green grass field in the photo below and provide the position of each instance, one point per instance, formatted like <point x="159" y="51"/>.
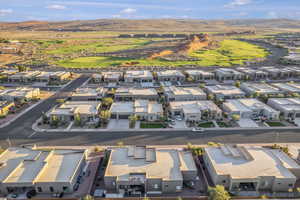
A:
<point x="230" y="52"/>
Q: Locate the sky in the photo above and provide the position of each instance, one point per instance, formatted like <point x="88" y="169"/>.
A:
<point x="59" y="10"/>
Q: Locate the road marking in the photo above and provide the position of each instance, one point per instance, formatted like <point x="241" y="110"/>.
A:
<point x="32" y="134"/>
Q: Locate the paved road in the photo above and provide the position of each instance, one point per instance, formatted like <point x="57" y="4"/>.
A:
<point x="20" y="132"/>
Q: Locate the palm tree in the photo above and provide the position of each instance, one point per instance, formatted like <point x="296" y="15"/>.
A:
<point x="132" y="120"/>
<point x="104" y="116"/>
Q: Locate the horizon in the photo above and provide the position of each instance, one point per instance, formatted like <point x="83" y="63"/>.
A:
<point x="70" y="10"/>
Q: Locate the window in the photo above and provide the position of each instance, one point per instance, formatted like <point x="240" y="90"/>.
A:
<point x="40" y="189"/>
<point x="155" y="186"/>
<point x="178" y="187"/>
<point x="65" y="188"/>
<point x="224" y="181"/>
<point x="51" y="189"/>
<point x="291" y="185"/>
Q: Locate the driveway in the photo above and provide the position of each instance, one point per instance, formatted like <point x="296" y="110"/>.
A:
<point x="247" y="123"/>
<point x="118" y="124"/>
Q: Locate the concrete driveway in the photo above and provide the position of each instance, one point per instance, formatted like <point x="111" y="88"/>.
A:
<point x="118" y="124"/>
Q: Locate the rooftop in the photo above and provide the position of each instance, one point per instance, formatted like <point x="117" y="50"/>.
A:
<point x="194" y="106"/>
<point x="198" y="72"/>
<point x="138" y="74"/>
<point x="290" y="104"/>
<point x="169" y="73"/>
<point x="289" y="87"/>
<point x="136" y="91"/>
<point x="262" y="88"/>
<point x="166" y="164"/>
<point x="180" y="91"/>
<point x="73" y="107"/>
<point x="246" y="105"/>
<point x="250" y="162"/>
<point x="224" y="89"/>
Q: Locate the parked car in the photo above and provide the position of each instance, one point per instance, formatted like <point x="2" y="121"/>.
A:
<point x="198" y="129"/>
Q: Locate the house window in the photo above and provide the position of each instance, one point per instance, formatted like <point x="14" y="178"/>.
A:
<point x="51" y="189"/>
<point x="178" y="187"/>
<point x="291" y="185"/>
<point x="40" y="189"/>
<point x="155" y="186"/>
<point x="224" y="181"/>
<point x="65" y="188"/>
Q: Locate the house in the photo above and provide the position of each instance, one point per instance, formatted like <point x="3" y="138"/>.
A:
<point x="88" y="94"/>
<point x="138" y="76"/>
<point x="200" y="75"/>
<point x="97" y="78"/>
<point x="170" y="75"/>
<point x="45" y="171"/>
<point x="24" y="77"/>
<point x="249" y="108"/>
<point x="9" y="50"/>
<point x="289" y="87"/>
<point x="112" y="77"/>
<point x="223" y="74"/>
<point x="5" y="107"/>
<point x="260" y="89"/>
<point x="87" y="110"/>
<point x="222" y="92"/>
<point x="251" y="168"/>
<point x="288" y="107"/>
<point x="138" y="170"/>
<point x="253" y="74"/>
<point x="143" y="109"/>
<point x="130" y="94"/>
<point x="20" y="94"/>
<point x="174" y="93"/>
<point x="195" y="110"/>
<point x="58" y="76"/>
<point x="279" y="73"/>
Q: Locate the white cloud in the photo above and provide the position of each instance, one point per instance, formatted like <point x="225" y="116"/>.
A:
<point x="56" y="7"/>
<point x="128" y="11"/>
<point x="116" y="16"/>
<point x="236" y="3"/>
<point x="272" y="14"/>
<point x="4" y="12"/>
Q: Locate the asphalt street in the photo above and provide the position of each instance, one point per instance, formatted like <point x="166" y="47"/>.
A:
<point x="20" y="132"/>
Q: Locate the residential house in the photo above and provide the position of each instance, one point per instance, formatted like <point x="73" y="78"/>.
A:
<point x="174" y="93"/>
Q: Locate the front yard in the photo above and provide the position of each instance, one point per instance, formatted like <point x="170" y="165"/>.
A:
<point x="152" y="125"/>
<point x="206" y="125"/>
<point x="275" y="124"/>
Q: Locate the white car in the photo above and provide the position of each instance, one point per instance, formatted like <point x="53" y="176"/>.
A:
<point x="198" y="129"/>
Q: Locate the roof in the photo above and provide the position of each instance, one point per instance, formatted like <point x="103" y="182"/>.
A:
<point x="227" y="71"/>
<point x="61" y="165"/>
<point x="246" y="105"/>
<point x="87" y="92"/>
<point x="27" y="166"/>
<point x="136" y="91"/>
<point x="287" y="104"/>
<point x="166" y="164"/>
<point x="18" y="92"/>
<point x="184" y="91"/>
<point x="224" y="89"/>
<point x="111" y="75"/>
<point x="262" y="88"/>
<point x="80" y="107"/>
<point x="170" y="73"/>
<point x="250" y="162"/>
<point x="194" y="72"/>
<point x="122" y="107"/>
<point x="138" y="74"/>
<point x="138" y="106"/>
<point x="288" y="87"/>
<point x="194" y="106"/>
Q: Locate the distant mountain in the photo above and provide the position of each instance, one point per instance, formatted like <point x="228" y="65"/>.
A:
<point x="155" y="25"/>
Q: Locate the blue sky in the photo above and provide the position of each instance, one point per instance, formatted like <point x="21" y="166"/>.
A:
<point x="57" y="10"/>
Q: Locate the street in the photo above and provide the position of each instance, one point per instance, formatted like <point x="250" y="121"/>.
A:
<point x="20" y="132"/>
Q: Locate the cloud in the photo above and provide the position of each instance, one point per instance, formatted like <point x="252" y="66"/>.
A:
<point x="116" y="16"/>
<point x="236" y="3"/>
<point x="128" y="11"/>
<point x="56" y="7"/>
<point x="4" y="12"/>
<point x="272" y="14"/>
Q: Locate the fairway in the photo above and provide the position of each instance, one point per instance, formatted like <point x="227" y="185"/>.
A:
<point x="229" y="53"/>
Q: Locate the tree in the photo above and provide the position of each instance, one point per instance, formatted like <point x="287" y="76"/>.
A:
<point x="218" y="193"/>
<point x="54" y="121"/>
<point x="120" y="144"/>
<point x="88" y="197"/>
<point x="107" y="101"/>
<point x="104" y="116"/>
<point x="238" y="84"/>
<point x="132" y="120"/>
<point x="78" y="121"/>
<point x="202" y="85"/>
<point x="190" y="79"/>
<point x="210" y="97"/>
<point x="236" y="117"/>
<point x="22" y="68"/>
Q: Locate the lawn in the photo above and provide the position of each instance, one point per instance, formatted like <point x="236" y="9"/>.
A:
<point x="222" y="124"/>
<point x="206" y="125"/>
<point x="275" y="124"/>
<point x="100" y="46"/>
<point x="230" y="52"/>
<point x="152" y="125"/>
